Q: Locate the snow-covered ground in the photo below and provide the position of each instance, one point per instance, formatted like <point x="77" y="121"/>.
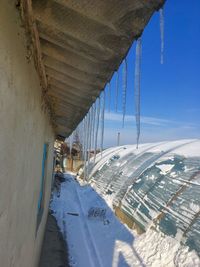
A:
<point x="105" y="241"/>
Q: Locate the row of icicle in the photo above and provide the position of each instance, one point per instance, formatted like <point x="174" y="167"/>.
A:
<point x="92" y="125"/>
<point x="88" y="131"/>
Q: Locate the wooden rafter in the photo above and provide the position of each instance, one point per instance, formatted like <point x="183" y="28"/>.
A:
<point x="33" y="35"/>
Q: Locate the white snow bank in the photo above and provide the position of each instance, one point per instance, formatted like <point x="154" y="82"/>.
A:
<point x="157" y="249"/>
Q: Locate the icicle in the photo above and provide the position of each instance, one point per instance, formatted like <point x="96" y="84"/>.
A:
<point x="92" y="131"/>
<point x="102" y="120"/>
<point x="97" y="127"/>
<point x="80" y="131"/>
<point x="124" y="90"/>
<point x="92" y="126"/>
<point x="89" y="131"/>
<point x="68" y="141"/>
<point x="137" y="86"/>
<point x="83" y="141"/>
<point x="76" y="136"/>
<point x="71" y="142"/>
<point x="116" y="91"/>
<point x="118" y="138"/>
<point x="84" y="148"/>
<point x="162" y="35"/>
<point x="94" y="122"/>
<point x="83" y="127"/>
<point x="109" y="96"/>
<point x="82" y="138"/>
<point x="90" y="138"/>
<point x="86" y="144"/>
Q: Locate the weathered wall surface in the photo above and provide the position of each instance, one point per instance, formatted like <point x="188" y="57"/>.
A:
<point x="24" y="130"/>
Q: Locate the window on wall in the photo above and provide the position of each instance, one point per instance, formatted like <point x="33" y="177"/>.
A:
<point x="41" y="198"/>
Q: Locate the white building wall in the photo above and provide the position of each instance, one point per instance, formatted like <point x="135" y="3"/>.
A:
<point x="24" y="128"/>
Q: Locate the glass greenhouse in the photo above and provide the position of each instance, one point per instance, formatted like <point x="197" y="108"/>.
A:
<point x="156" y="186"/>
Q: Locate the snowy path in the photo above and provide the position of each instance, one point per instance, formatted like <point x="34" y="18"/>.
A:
<point x="96" y="242"/>
<point x="91" y="248"/>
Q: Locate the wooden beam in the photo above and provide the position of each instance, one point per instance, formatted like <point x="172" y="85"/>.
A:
<point x="174" y="197"/>
<point x="31" y="29"/>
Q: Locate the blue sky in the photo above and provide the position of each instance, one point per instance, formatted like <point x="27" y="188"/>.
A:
<point x="170" y="93"/>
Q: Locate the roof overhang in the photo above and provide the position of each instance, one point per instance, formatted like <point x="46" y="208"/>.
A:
<point x="77" y="46"/>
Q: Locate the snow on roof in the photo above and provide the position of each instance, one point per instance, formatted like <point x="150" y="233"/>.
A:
<point x="185" y="147"/>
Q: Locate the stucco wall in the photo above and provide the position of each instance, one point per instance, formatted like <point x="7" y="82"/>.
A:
<point x="24" y="128"/>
